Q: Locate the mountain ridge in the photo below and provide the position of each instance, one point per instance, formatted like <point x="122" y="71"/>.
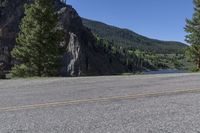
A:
<point x="125" y="36"/>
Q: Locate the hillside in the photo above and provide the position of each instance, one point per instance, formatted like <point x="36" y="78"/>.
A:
<point x="82" y="55"/>
<point x="86" y="54"/>
<point x="127" y="38"/>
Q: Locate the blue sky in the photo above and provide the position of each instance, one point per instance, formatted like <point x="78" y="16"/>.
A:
<point x="159" y="19"/>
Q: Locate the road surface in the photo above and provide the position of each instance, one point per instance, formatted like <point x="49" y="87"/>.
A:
<point x="168" y="103"/>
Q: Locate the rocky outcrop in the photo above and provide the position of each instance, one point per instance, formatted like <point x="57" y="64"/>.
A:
<point x="11" y="12"/>
<point x="82" y="56"/>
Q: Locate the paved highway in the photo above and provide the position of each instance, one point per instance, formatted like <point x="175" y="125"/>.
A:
<point x="168" y="103"/>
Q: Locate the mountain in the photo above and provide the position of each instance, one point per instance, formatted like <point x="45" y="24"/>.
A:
<point x="129" y="39"/>
<point x="82" y="57"/>
<point x="85" y="53"/>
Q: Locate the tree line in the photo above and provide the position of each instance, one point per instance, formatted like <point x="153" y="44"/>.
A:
<point x="137" y="60"/>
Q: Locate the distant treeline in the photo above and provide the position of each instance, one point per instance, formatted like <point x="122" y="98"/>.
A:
<point x="132" y="40"/>
<point x="137" y="60"/>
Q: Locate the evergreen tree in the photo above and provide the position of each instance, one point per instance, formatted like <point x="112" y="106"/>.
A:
<point x="193" y="28"/>
<point x="37" y="47"/>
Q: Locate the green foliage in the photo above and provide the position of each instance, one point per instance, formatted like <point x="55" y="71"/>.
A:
<point x="137" y="60"/>
<point x="21" y="71"/>
<point x="193" y="37"/>
<point x="38" y="41"/>
<point x="128" y="39"/>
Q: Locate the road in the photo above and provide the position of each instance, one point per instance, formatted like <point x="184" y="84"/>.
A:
<point x="168" y="103"/>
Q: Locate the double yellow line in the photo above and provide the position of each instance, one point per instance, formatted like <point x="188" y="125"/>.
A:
<point x="92" y="100"/>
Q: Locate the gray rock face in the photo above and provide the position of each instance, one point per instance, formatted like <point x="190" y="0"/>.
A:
<point x="82" y="56"/>
<point x="73" y="55"/>
<point x="11" y="12"/>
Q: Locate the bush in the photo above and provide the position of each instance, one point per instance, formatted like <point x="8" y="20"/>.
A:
<point x="20" y="71"/>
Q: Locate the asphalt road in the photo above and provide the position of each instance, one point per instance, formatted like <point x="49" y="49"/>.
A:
<point x="168" y="103"/>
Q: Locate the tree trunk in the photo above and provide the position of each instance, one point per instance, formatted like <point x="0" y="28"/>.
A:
<point x="198" y="65"/>
<point x="39" y="71"/>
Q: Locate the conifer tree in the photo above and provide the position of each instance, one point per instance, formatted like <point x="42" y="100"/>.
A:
<point x="37" y="48"/>
<point x="193" y="38"/>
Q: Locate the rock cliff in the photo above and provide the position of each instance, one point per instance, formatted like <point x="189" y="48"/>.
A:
<point x="82" y="57"/>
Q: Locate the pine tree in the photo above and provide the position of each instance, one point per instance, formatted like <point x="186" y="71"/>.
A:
<point x="193" y="38"/>
<point x="37" y="47"/>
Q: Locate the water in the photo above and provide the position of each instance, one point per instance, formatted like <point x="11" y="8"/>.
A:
<point x="167" y="71"/>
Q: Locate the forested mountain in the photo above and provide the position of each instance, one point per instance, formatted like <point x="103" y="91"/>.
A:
<point x="82" y="54"/>
<point x="111" y="51"/>
<point x="129" y="39"/>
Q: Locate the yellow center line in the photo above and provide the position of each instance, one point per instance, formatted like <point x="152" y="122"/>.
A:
<point x="91" y="100"/>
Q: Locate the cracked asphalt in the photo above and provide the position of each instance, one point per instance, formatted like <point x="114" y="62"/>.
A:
<point x="178" y="113"/>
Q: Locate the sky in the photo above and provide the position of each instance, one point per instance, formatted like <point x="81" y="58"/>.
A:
<point x="158" y="19"/>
